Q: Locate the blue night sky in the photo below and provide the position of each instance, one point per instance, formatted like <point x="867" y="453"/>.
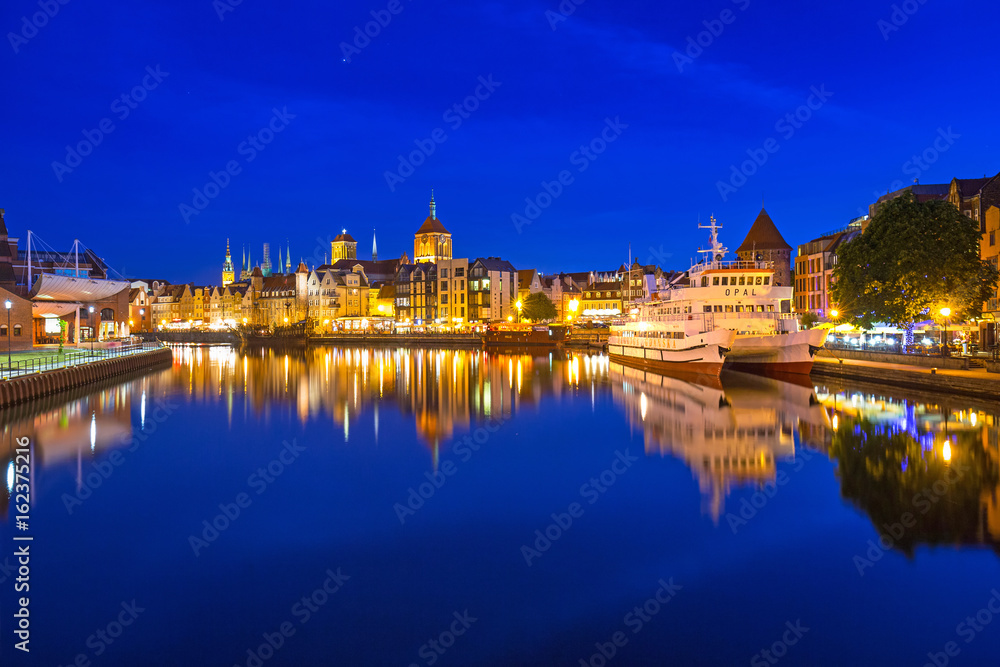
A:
<point x="891" y="94"/>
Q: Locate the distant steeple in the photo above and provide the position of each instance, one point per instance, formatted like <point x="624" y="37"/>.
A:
<point x="433" y="205"/>
<point x="288" y="257"/>
<point x="279" y="258"/>
<point x="374" y="247"/>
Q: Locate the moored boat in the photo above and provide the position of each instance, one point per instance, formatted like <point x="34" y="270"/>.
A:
<point x="518" y="335"/>
<point x="739" y="298"/>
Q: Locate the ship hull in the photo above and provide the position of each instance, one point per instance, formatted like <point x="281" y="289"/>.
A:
<point x="697" y="355"/>
<point x="790" y="353"/>
<point x="507" y="339"/>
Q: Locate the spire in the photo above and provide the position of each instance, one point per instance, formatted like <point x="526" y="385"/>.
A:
<point x="279" y="258"/>
<point x="433" y="205"/>
<point x="288" y="257"/>
<point x="375" y="247"/>
<point x="228" y="254"/>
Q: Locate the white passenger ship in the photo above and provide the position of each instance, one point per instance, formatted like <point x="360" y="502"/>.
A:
<point x="728" y="313"/>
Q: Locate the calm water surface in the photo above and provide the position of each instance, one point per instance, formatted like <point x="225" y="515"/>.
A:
<point x="394" y="507"/>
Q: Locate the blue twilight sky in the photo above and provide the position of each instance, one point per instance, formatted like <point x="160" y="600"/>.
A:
<point x="890" y="94"/>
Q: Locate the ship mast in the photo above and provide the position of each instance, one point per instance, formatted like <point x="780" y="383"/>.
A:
<point x="717" y="251"/>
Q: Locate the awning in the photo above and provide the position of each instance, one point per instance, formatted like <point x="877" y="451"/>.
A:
<point x="49" y="287"/>
<point x="52" y="308"/>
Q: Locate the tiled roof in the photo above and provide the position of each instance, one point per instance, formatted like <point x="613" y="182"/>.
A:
<point x="495" y="264"/>
<point x="763" y="235"/>
<point x="432" y="226"/>
<point x="970" y="187"/>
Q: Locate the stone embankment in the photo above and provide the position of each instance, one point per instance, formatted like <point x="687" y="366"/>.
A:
<point x="38" y="385"/>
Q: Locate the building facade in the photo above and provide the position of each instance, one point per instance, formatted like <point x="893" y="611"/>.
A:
<point x="814" y="266"/>
<point x="452" y="291"/>
<point x="492" y="290"/>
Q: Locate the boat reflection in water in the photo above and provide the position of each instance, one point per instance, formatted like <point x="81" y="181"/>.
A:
<point x="730" y="432"/>
<point x="935" y="460"/>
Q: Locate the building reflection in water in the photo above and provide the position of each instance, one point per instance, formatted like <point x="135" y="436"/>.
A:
<point x="730" y="433"/>
<point x="936" y="459"/>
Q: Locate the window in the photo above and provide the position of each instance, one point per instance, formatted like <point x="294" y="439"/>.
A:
<point x="759" y="280"/>
<point x="717" y="309"/>
<point x="729" y="309"/>
<point x="739" y="309"/>
<point x="3" y="330"/>
<point x="459" y="272"/>
<point x="704" y="281"/>
<point x="767" y="279"/>
<point x="715" y="280"/>
<point x="993" y="238"/>
<point x="725" y="280"/>
<point x="444" y="273"/>
<point x="444" y="298"/>
<point x="444" y="285"/>
<point x="742" y="280"/>
<point x="707" y="309"/>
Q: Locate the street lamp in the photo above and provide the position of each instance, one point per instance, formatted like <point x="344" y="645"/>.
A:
<point x="518" y="306"/>
<point x="945" y="313"/>
<point x="8" y="305"/>
<point x="91" y="309"/>
<point x="834" y="313"/>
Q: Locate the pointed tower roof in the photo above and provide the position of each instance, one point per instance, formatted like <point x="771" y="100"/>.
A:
<point x="3" y="225"/>
<point x="432" y="225"/>
<point x="288" y="257"/>
<point x="763" y="235"/>
<point x="302" y="267"/>
<point x="374" y="247"/>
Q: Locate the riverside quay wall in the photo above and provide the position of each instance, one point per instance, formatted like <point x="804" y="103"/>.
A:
<point x="38" y="385"/>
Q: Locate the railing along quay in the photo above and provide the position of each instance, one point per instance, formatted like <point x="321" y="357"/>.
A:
<point x="53" y="362"/>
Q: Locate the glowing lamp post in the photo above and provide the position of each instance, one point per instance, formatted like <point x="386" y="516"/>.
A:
<point x="92" y="329"/>
<point x="945" y="313"/>
<point x="518" y="306"/>
<point x="8" y="305"/>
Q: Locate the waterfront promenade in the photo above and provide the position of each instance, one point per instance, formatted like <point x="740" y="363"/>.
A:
<point x="37" y="374"/>
<point x="973" y="382"/>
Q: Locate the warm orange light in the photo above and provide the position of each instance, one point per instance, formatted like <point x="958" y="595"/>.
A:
<point x="946" y="312"/>
<point x="946" y="451"/>
<point x="834" y="313"/>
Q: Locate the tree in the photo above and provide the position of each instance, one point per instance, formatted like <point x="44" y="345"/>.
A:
<point x="537" y="307"/>
<point x="808" y="319"/>
<point x="913" y="259"/>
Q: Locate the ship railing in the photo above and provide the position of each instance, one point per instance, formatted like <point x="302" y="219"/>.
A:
<point x="733" y="266"/>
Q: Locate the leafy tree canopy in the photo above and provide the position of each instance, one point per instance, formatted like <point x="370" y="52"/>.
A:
<point x="808" y="319"/>
<point x="912" y="260"/>
<point x="537" y="307"/>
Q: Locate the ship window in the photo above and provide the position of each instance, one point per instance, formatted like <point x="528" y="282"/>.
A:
<point x="767" y="280"/>
<point x="732" y="281"/>
<point x="707" y="309"/>
<point x="715" y="280"/>
<point x="759" y="280"/>
<point x="760" y="309"/>
<point x="739" y="309"/>
<point x="729" y="309"/>
<point x="718" y="309"/>
<point x="770" y="308"/>
<point x="704" y="281"/>
<point x="725" y="280"/>
<point x="743" y="280"/>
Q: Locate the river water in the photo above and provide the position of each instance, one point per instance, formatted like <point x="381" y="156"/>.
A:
<point x="422" y="507"/>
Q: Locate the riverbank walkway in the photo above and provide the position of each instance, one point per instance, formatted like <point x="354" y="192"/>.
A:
<point x="40" y="360"/>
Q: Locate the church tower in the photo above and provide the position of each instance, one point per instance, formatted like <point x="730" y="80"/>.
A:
<point x="228" y="272"/>
<point x="374" y="247"/>
<point x="432" y="242"/>
<point x="343" y="247"/>
<point x="288" y="257"/>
